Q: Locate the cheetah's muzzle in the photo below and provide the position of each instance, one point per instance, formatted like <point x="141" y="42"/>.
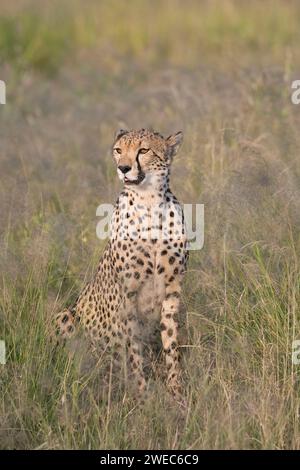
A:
<point x="139" y="179"/>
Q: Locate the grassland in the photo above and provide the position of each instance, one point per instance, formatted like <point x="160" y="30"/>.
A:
<point x="221" y="72"/>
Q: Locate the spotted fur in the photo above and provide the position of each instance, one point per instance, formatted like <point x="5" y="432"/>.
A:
<point x="135" y="296"/>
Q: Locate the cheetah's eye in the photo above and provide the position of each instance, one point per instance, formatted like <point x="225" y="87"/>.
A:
<point x="118" y="150"/>
<point x="142" y="151"/>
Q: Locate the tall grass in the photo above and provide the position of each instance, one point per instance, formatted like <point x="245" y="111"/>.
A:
<point x="221" y="72"/>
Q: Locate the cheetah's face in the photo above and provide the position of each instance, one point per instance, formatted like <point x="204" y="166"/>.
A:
<point x="142" y="155"/>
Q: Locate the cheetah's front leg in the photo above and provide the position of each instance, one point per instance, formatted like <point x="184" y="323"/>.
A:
<point x="169" y="336"/>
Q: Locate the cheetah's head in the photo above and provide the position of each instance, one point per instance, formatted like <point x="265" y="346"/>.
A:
<point x="144" y="155"/>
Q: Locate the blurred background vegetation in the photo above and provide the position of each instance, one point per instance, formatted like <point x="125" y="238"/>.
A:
<point x="43" y="35"/>
<point x="76" y="71"/>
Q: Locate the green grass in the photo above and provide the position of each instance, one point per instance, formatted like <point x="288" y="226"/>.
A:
<point x="43" y="36"/>
<point x="222" y="73"/>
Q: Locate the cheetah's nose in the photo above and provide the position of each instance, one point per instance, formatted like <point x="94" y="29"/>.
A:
<point x="124" y="168"/>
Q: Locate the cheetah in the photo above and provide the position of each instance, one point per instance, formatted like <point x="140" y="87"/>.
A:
<point x="136" y="290"/>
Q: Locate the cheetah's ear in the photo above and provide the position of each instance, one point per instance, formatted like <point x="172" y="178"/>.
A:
<point x="120" y="133"/>
<point x="174" y="141"/>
